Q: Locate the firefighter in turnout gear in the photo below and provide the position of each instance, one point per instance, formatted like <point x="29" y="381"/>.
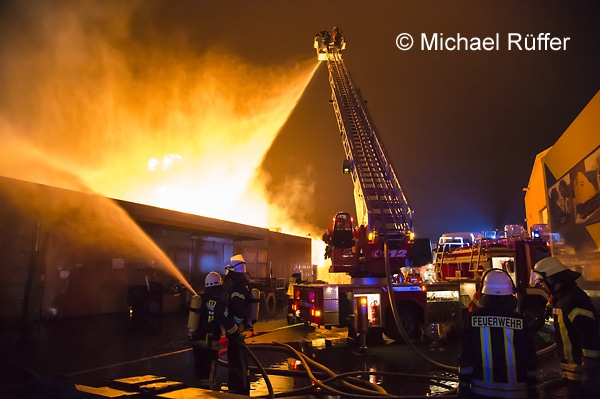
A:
<point x="295" y="278"/>
<point x="239" y="298"/>
<point x="575" y="328"/>
<point x="497" y="358"/>
<point x="212" y="319"/>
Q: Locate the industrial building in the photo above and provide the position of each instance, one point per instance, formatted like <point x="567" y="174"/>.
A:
<point x="71" y="253"/>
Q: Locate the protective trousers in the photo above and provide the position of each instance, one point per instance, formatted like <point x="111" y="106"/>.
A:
<point x="238" y="366"/>
<point x="206" y="355"/>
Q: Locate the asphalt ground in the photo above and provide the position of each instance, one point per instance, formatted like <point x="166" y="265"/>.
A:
<point x="91" y="351"/>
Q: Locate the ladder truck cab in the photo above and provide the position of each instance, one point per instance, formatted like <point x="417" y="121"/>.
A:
<point x="359" y="250"/>
<point x="380" y="242"/>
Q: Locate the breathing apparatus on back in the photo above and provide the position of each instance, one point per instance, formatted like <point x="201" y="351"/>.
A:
<point x="253" y="307"/>
<point x="213" y="279"/>
<point x="194" y="314"/>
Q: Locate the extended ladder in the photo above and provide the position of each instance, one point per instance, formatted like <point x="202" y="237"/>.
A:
<point x="380" y="201"/>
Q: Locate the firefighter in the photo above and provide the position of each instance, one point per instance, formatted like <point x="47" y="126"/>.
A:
<point x="295" y="278"/>
<point x="328" y="240"/>
<point x="211" y="321"/>
<point x="497" y="358"/>
<point x="239" y="300"/>
<point x="575" y="328"/>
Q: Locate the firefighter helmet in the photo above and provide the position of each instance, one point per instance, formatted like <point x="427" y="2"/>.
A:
<point x="213" y="279"/>
<point x="497" y="282"/>
<point x="551" y="266"/>
<point x="236" y="264"/>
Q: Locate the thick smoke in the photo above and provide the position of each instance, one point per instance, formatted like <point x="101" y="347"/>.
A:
<point x="90" y="102"/>
<point x="97" y="99"/>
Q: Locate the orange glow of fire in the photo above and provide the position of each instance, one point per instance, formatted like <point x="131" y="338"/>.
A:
<point x="185" y="133"/>
<point x="216" y="136"/>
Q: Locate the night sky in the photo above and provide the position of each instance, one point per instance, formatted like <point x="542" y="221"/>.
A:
<point x="461" y="128"/>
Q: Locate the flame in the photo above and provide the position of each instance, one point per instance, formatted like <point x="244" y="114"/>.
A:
<point x="89" y="110"/>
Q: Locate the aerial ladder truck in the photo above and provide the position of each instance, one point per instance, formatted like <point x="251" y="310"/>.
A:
<point x="379" y="251"/>
<point x="382" y="211"/>
<point x="375" y="247"/>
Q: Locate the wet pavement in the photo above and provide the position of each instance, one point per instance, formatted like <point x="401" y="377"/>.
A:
<point x="94" y="351"/>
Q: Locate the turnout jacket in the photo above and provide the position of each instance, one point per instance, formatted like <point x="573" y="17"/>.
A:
<point x="497" y="357"/>
<point x="213" y="317"/>
<point x="577" y="333"/>
<point x="239" y="296"/>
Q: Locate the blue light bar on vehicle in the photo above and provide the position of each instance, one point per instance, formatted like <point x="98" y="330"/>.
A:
<point x="406" y="288"/>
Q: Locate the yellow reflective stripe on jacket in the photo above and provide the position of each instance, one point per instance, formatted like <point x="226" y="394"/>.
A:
<point x="237" y="294"/>
<point x="591" y="353"/>
<point x="487" y="361"/>
<point x="232" y="329"/>
<point x="581" y="312"/>
<point x="210" y="305"/>
<point x="564" y="335"/>
<point x="509" y="353"/>
<point x="572" y="371"/>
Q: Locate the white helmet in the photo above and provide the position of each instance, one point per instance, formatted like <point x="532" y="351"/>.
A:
<point x="213" y="279"/>
<point x="497" y="282"/>
<point x="549" y="266"/>
<point x="236" y="264"/>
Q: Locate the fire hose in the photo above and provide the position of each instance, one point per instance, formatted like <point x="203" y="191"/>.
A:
<point x="399" y="325"/>
<point x="407" y="339"/>
<point x="257" y="363"/>
<point x="322" y="380"/>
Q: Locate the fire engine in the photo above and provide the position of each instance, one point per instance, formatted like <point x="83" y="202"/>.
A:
<point x="380" y="239"/>
<point x="379" y="251"/>
<point x="464" y="257"/>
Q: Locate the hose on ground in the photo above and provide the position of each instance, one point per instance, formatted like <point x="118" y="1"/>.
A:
<point x="399" y="326"/>
<point x="374" y="388"/>
<point x="324" y="371"/>
<point x="351" y="386"/>
<point x="405" y="336"/>
<point x="257" y="363"/>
